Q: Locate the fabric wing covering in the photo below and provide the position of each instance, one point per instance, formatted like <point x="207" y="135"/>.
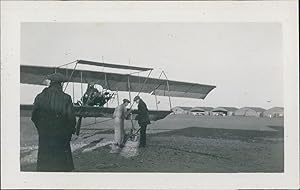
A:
<point x="110" y="65"/>
<point x="119" y="82"/>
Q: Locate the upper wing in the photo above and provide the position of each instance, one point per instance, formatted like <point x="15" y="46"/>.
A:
<point x="116" y="66"/>
<point x="119" y="82"/>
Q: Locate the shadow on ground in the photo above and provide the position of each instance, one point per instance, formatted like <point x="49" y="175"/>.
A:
<point x="190" y="149"/>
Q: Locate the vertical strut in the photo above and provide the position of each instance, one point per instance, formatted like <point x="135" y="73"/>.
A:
<point x="73" y="93"/>
<point x="129" y="90"/>
<point x="106" y="86"/>
<point x="168" y="89"/>
<point x="66" y="77"/>
<point x="156" y="100"/>
<point x="70" y="76"/>
<point x="118" y="97"/>
<point x="105" y="79"/>
<point x="81" y="84"/>
<point x="155" y="93"/>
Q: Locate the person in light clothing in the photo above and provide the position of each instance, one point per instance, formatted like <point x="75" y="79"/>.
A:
<point x="119" y="116"/>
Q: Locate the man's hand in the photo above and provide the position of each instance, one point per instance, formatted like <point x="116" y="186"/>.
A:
<point x="128" y="115"/>
<point x="129" y="111"/>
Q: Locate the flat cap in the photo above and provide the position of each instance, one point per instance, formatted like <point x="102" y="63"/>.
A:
<point x="57" y="77"/>
<point x="136" y="98"/>
<point x="126" y="100"/>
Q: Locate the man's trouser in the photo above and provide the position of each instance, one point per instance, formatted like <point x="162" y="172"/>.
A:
<point x="143" y="134"/>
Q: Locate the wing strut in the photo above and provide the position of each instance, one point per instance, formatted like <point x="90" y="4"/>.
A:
<point x="140" y="88"/>
<point x="66" y="64"/>
<point x="81" y="84"/>
<point x="129" y="90"/>
<point x="168" y="89"/>
<point x="156" y="101"/>
<point x="155" y="93"/>
<point x="118" y="97"/>
<point x="145" y="81"/>
<point x="71" y="73"/>
<point x="73" y="93"/>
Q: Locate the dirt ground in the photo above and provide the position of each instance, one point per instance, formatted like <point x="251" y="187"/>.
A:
<point x="178" y="143"/>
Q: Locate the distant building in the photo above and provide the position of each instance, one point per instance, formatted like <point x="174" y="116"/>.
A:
<point x="201" y="110"/>
<point x="223" y="111"/>
<point x="250" y="111"/>
<point x="181" y="110"/>
<point x="218" y="111"/>
<point x="274" y="112"/>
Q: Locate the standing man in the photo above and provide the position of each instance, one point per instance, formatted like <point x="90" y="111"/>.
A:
<point x="119" y="116"/>
<point x="143" y="119"/>
<point x="54" y="118"/>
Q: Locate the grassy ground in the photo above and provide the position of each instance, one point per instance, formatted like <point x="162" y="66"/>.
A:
<point x="178" y="143"/>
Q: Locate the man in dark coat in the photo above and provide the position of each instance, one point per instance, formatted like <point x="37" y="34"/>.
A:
<point x="143" y="119"/>
<point x="54" y="118"/>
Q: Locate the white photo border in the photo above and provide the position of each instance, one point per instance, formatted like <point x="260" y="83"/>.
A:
<point x="15" y="13"/>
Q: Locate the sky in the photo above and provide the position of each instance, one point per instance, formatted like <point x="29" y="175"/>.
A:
<point x="243" y="60"/>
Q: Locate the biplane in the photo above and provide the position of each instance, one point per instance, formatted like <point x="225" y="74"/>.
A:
<point x="112" y="84"/>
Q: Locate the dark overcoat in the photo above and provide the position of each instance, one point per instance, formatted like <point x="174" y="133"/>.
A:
<point x="54" y="118"/>
<point x="143" y="113"/>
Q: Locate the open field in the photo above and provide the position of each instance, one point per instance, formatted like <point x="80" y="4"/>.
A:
<point x="178" y="143"/>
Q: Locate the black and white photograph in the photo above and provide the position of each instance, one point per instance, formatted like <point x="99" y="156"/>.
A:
<point x="157" y="97"/>
<point x="151" y="97"/>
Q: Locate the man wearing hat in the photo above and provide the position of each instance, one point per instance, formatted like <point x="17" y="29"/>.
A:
<point x="119" y="116"/>
<point x="54" y="118"/>
<point x="143" y="119"/>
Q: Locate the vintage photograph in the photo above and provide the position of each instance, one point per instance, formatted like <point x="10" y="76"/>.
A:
<point x="152" y="97"/>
